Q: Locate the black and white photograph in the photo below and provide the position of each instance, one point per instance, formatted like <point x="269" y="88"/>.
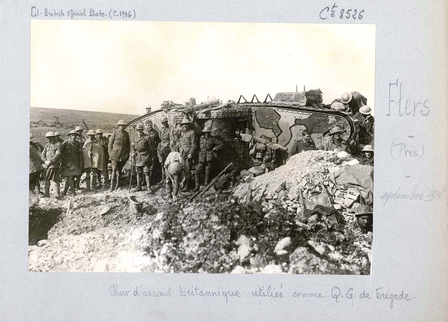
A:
<point x="201" y="147"/>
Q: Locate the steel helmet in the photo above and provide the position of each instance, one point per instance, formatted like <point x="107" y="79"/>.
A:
<point x="49" y="134"/>
<point x="367" y="148"/>
<point x="99" y="131"/>
<point x="73" y="132"/>
<point x="79" y="128"/>
<point x="121" y="122"/>
<point x="91" y="132"/>
<point x="363" y="210"/>
<point x="366" y="110"/>
<point x="346" y="97"/>
<point x="139" y="127"/>
<point x="174" y="168"/>
<point x="335" y="130"/>
<point x="57" y="133"/>
<point x="164" y="119"/>
<point x="207" y="129"/>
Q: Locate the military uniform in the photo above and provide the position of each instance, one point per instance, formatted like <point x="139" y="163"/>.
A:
<point x="104" y="142"/>
<point x="93" y="156"/>
<point x="72" y="163"/>
<point x="208" y="146"/>
<point x="35" y="167"/>
<point x="52" y="157"/>
<point x="163" y="148"/>
<point x="119" y="148"/>
<point x="366" y="127"/>
<point x="144" y="157"/>
<point x="187" y="148"/>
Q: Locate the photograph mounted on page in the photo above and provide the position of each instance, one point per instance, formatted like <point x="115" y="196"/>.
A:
<point x="188" y="147"/>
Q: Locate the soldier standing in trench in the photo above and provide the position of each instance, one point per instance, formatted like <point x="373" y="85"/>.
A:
<point x="154" y="141"/>
<point x="72" y="161"/>
<point x="187" y="142"/>
<point x="52" y="158"/>
<point x="119" y="148"/>
<point x="104" y="142"/>
<point x="208" y="146"/>
<point x="81" y="139"/>
<point x="163" y="148"/>
<point x="143" y="155"/>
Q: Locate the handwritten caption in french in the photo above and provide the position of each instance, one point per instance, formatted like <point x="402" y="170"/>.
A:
<point x="115" y="14"/>
<point x="263" y="293"/>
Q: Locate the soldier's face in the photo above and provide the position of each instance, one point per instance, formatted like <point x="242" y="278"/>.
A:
<point x="185" y="127"/>
<point x="363" y="221"/>
<point x="72" y="138"/>
<point x="121" y="127"/>
<point x="368" y="155"/>
<point x="140" y="132"/>
<point x="99" y="135"/>
<point x="306" y="137"/>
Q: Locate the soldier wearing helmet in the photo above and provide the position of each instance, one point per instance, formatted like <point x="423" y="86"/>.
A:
<point x="176" y="173"/>
<point x="51" y="155"/>
<point x="93" y="156"/>
<point x="367" y="157"/>
<point x="163" y="148"/>
<point x="72" y="161"/>
<point x="208" y="147"/>
<point x="36" y="168"/>
<point x="81" y="139"/>
<point x="154" y="141"/>
<point x="187" y="147"/>
<point x="335" y="141"/>
<point x="104" y="142"/>
<point x="366" y="124"/>
<point x="175" y="136"/>
<point x="119" y="148"/>
<point x="354" y="101"/>
<point x="58" y="137"/>
<point x="143" y="154"/>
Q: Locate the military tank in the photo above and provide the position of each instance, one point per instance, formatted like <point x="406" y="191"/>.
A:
<point x="277" y="122"/>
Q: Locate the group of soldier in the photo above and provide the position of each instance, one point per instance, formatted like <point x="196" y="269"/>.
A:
<point x="96" y="154"/>
<point x="176" y="149"/>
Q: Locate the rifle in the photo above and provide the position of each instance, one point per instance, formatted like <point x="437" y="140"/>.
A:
<point x="201" y="192"/>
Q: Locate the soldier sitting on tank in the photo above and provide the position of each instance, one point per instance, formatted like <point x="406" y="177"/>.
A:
<point x="208" y="147"/>
<point x="335" y="141"/>
<point x="306" y="143"/>
<point x="143" y="154"/>
<point x="176" y="173"/>
<point x="354" y="101"/>
<point x="366" y="124"/>
<point x="164" y="146"/>
<point x="119" y="147"/>
<point x="175" y="137"/>
<point x="187" y="147"/>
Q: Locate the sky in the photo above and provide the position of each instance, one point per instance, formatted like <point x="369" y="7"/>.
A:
<point x="124" y="67"/>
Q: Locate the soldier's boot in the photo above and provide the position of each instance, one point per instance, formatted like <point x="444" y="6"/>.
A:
<point x="94" y="180"/>
<point x="88" y="183"/>
<point x="139" y="182"/>
<point x="186" y="184"/>
<point x="58" y="190"/>
<point x="207" y="179"/>
<point x="64" y="192"/>
<point x="111" y="182"/>
<point x="106" y="178"/>
<point x="148" y="186"/>
<point x="71" y="184"/>
<point x="196" y="185"/>
<point x="175" y="189"/>
<point x="117" y="179"/>
<point x="47" y="189"/>
<point x="163" y="176"/>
